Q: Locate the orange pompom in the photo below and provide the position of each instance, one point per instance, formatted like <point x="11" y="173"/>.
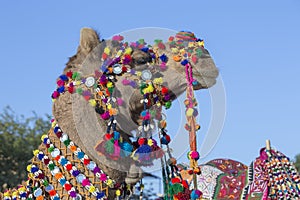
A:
<point x="177" y="58"/>
<point x="58" y="175"/>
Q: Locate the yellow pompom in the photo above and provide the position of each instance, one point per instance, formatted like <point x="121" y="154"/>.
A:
<point x="53" y="124"/>
<point x="30" y="175"/>
<point x="36" y="152"/>
<point x="15" y="193"/>
<point x="189" y="112"/>
<point x="107" y="50"/>
<point x="29" y="167"/>
<point x="78" y="82"/>
<point x="109" y="182"/>
<point x="109" y="106"/>
<point x="21" y="189"/>
<point x="93" y="102"/>
<point x="119" y="53"/>
<point x="182" y="51"/>
<point x="151" y="88"/>
<point x="201" y="44"/>
<point x="158" y="104"/>
<point x="191" y="44"/>
<point x="109" y="85"/>
<point x="139" y="73"/>
<point x="158" y="81"/>
<point x="148" y="89"/>
<point x="128" y="50"/>
<point x="43" y="137"/>
<point x="118" y="193"/>
<point x="92" y="189"/>
<point x="150" y="142"/>
<point x="174" y="50"/>
<point x="7" y="194"/>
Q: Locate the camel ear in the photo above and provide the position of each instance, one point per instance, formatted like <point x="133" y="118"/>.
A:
<point x="89" y="39"/>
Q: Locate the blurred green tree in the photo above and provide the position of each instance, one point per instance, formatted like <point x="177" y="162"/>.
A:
<point x="19" y="136"/>
<point x="297" y="162"/>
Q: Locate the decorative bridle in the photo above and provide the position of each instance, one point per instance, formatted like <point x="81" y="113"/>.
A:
<point x="98" y="90"/>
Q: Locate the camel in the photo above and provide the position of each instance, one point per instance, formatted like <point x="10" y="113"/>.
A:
<point x="78" y="119"/>
<point x="78" y="130"/>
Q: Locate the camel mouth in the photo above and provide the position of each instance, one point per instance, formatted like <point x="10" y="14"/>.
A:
<point x="205" y="81"/>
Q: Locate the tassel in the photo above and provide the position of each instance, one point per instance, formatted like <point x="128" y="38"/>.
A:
<point x="143" y="153"/>
<point x="165" y="139"/>
<point x="126" y="149"/>
<point x="116" y="149"/>
<point x="109" y="147"/>
<point x="196" y="194"/>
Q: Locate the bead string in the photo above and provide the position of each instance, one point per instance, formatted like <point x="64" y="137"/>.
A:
<point x="284" y="180"/>
<point x="36" y="173"/>
<point x="56" y="173"/>
<point x="67" y="165"/>
<point x="15" y="194"/>
<point x="91" y="165"/>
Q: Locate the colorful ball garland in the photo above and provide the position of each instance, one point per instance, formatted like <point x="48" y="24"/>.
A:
<point x="91" y="165"/>
<point x="56" y="173"/>
<point x="36" y="173"/>
<point x="81" y="178"/>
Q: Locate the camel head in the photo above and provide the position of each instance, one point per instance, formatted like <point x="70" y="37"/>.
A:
<point x="83" y="124"/>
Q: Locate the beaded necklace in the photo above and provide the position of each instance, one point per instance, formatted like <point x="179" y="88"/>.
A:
<point x="56" y="173"/>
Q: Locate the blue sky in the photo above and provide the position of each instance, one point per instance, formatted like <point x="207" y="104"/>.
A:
<point x="255" y="44"/>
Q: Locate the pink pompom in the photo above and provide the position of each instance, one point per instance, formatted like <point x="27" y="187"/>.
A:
<point x="105" y="115"/>
<point x="195" y="155"/>
<point x="163" y="66"/>
<point x="103" y="177"/>
<point x="147" y="117"/>
<point x="118" y="37"/>
<point x="125" y="82"/>
<point x="60" y="83"/>
<point x="55" y="94"/>
<point x="85" y="182"/>
<point x="120" y="101"/>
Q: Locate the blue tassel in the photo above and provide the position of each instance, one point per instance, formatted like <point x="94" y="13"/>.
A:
<point x="127" y="148"/>
<point x="144" y="152"/>
<point x="116" y="135"/>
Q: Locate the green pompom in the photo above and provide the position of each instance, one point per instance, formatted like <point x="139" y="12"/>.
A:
<point x="111" y="90"/>
<point x="76" y="76"/>
<point x="79" y="91"/>
<point x="141" y="41"/>
<point x="45" y="183"/>
<point x="67" y="142"/>
<point x="50" y="149"/>
<point x="142" y="87"/>
<point x="176" y="188"/>
<point x="168" y="104"/>
<point x="51" y="166"/>
<point x="109" y="146"/>
<point x="152" y="113"/>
